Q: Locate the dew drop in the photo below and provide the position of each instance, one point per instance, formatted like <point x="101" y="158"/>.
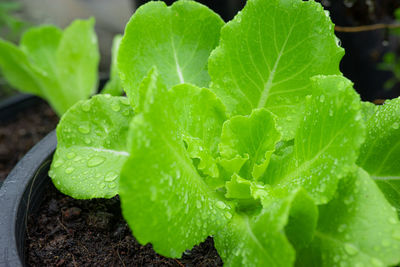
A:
<point x="322" y="98"/>
<point x="350" y="249"/>
<point x="392" y="220"/>
<point x="228" y="215"/>
<point x="198" y="204"/>
<point x="116" y="107"/>
<point x="69" y="170"/>
<point x="125" y="112"/>
<point x="178" y="174"/>
<point x="395" y="126"/>
<point x="86" y="106"/>
<point x="124" y="101"/>
<point x="111" y="176"/>
<point x="57" y="163"/>
<point x="85" y="129"/>
<point x="71" y="155"/>
<point x="95" y="161"/>
<point x="87" y="141"/>
<point x="221" y="205"/>
<point x="112" y="185"/>
<point x="103" y="185"/>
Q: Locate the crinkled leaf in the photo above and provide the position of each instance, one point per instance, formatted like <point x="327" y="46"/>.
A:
<point x="260" y="239"/>
<point x="201" y="118"/>
<point x="114" y="85"/>
<point x="177" y="40"/>
<point x="181" y="210"/>
<point x="380" y="153"/>
<point x="357" y="228"/>
<point x="326" y="143"/>
<point x="267" y="55"/>
<point x="250" y="137"/>
<point x="59" y="66"/>
<point x="92" y="147"/>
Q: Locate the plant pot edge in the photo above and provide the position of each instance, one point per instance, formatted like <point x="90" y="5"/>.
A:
<point x="19" y="193"/>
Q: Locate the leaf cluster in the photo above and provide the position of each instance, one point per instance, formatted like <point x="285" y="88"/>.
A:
<point x="244" y="131"/>
<point x="59" y="66"/>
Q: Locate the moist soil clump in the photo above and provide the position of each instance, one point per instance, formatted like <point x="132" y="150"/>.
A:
<point x="19" y="134"/>
<point x="71" y="232"/>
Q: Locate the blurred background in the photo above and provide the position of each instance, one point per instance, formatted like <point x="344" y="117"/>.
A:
<point x="372" y="59"/>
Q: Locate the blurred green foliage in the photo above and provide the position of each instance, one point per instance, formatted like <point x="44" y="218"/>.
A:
<point x="391" y="60"/>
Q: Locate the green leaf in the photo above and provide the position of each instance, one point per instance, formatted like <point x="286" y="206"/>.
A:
<point x="177" y="40"/>
<point x="267" y="55"/>
<point x="114" y="85"/>
<point x="201" y="118"/>
<point x="60" y="67"/>
<point x="17" y="70"/>
<point x="40" y="45"/>
<point x="78" y="58"/>
<point x="260" y="239"/>
<point x="181" y="210"/>
<point x="380" y="153"/>
<point x="326" y="143"/>
<point x="250" y="137"/>
<point x="92" y="147"/>
<point x="357" y="228"/>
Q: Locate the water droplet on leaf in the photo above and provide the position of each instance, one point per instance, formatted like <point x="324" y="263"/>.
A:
<point x="85" y="129"/>
<point x="95" y="161"/>
<point x="69" y="170"/>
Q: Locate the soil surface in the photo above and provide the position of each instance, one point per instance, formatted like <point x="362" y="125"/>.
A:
<point x="70" y="232"/>
<point x="21" y="133"/>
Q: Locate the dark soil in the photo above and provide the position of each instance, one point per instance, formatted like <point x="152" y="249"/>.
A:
<point x="21" y="133"/>
<point x="70" y="232"/>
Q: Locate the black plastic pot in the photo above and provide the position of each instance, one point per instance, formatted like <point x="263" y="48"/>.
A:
<point x="20" y="195"/>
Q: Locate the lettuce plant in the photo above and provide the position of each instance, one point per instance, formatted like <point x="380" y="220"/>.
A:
<point x="59" y="66"/>
<point x="244" y="131"/>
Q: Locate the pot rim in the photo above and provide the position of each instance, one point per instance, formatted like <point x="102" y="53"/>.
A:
<point x="18" y="195"/>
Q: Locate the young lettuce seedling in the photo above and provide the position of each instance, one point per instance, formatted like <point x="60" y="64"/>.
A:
<point x="276" y="159"/>
<point x="59" y="66"/>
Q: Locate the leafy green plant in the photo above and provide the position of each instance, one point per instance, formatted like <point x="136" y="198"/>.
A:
<point x="59" y="66"/>
<point x="391" y="62"/>
<point x="244" y="131"/>
<point x="10" y="26"/>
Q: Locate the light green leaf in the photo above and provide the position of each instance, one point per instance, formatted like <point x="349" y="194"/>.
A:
<point x="260" y="239"/>
<point x="267" y="55"/>
<point x="77" y="59"/>
<point x="181" y="210"/>
<point x="114" y="85"/>
<point x="326" y="143"/>
<point x="357" y="228"/>
<point x="380" y="153"/>
<point x="17" y="70"/>
<point x="250" y="137"/>
<point x="177" y="40"/>
<point x="92" y="147"/>
<point x="40" y="45"/>
<point x="201" y="118"/>
<point x="60" y="67"/>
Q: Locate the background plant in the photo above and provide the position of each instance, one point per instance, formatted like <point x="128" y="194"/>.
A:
<point x="59" y="66"/>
